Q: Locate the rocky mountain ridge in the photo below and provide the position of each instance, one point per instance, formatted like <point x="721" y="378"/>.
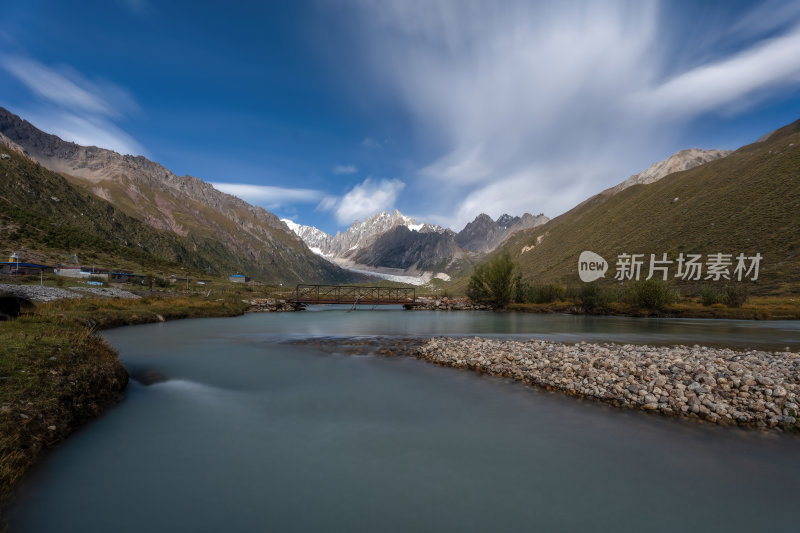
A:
<point x="186" y="206"/>
<point x="393" y="240"/>
<point x="484" y="234"/>
<point x="359" y="236"/>
<point x="681" y="160"/>
<point x="49" y="220"/>
<point x="404" y="248"/>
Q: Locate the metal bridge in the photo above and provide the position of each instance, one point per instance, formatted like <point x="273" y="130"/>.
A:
<point x="353" y="295"/>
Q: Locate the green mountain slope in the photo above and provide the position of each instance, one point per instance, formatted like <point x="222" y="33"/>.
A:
<point x="747" y="202"/>
<point x="230" y="234"/>
<point x="50" y="219"/>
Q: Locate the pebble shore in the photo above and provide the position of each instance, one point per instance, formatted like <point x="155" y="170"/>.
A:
<point x="722" y="386"/>
<point x="447" y="304"/>
<point x="39" y="293"/>
<point x="271" y="305"/>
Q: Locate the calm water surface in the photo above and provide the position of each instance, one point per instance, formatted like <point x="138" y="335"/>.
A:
<point x="249" y="434"/>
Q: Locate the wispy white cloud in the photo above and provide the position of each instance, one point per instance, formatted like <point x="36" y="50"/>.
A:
<point x="345" y="169"/>
<point x="371" y="143"/>
<point x="765" y="17"/>
<point x="768" y="64"/>
<point x="269" y="196"/>
<point x="69" y="89"/>
<point x="86" y="131"/>
<point x="463" y="166"/>
<point x="56" y="87"/>
<point x="363" y="200"/>
<point x="537" y="106"/>
<point x="74" y="108"/>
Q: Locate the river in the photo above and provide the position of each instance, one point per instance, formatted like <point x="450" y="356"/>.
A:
<point x="249" y="433"/>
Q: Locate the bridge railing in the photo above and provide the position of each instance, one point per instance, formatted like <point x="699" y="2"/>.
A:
<point x="353" y="294"/>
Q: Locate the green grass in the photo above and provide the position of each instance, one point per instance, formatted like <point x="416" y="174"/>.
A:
<point x="53" y="376"/>
<point x="757" y="308"/>
<point x="108" y="313"/>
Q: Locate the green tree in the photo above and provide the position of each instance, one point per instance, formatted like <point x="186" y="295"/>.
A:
<point x="493" y="282"/>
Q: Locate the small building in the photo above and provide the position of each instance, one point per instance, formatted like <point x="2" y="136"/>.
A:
<point x="125" y="276"/>
<point x="14" y="268"/>
<point x="81" y="272"/>
<point x="238" y="278"/>
<point x="68" y="272"/>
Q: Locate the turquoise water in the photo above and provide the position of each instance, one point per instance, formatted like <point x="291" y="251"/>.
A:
<point x="252" y="434"/>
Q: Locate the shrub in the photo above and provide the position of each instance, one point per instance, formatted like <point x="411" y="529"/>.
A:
<point x="519" y="292"/>
<point x="545" y="294"/>
<point x="593" y="298"/>
<point x="492" y="282"/>
<point x="650" y="294"/>
<point x="710" y="296"/>
<point x="735" y="295"/>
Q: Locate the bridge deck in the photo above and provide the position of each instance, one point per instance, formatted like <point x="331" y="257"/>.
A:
<point x="354" y="295"/>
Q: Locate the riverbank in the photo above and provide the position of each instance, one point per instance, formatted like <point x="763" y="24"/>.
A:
<point x="111" y="313"/>
<point x="759" y="308"/>
<point x="722" y="386"/>
<point x="55" y="375"/>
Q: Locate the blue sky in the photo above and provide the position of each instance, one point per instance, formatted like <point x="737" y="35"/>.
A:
<point x="328" y="111"/>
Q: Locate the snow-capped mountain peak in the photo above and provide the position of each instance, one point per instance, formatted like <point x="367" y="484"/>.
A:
<point x="359" y="235"/>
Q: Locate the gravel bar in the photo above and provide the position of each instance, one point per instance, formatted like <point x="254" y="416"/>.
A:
<point x="106" y="292"/>
<point x="723" y="386"/>
<point x="39" y="293"/>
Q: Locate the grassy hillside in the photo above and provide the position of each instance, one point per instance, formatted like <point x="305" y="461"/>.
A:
<point x="48" y="219"/>
<point x="260" y="249"/>
<point x="41" y="213"/>
<point x="215" y="228"/>
<point x="747" y="202"/>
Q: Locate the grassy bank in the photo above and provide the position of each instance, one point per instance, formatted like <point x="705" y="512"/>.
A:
<point x="758" y="308"/>
<point x="104" y="313"/>
<point x="55" y="375"/>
